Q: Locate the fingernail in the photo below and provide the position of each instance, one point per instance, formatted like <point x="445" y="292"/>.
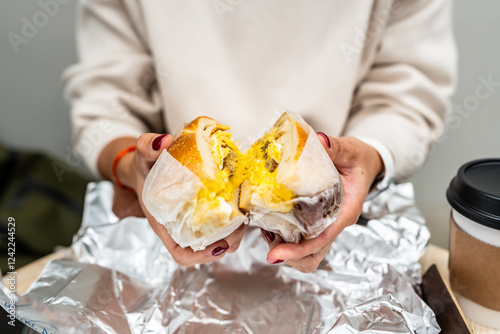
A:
<point x="275" y="262"/>
<point x="326" y="138"/>
<point x="270" y="236"/>
<point x="219" y="250"/>
<point x="157" y="142"/>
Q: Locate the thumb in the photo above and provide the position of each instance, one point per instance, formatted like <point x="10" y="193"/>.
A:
<point x="337" y="148"/>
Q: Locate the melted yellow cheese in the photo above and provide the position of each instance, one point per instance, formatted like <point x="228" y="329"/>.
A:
<point x="264" y="180"/>
<point x="251" y="165"/>
<point x="218" y="191"/>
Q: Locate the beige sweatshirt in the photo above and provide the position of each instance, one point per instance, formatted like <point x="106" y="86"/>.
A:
<point x="380" y="70"/>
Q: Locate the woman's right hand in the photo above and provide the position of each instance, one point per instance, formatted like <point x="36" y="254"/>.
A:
<point x="132" y="170"/>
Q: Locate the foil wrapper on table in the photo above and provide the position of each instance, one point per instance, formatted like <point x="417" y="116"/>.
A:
<point x="125" y="281"/>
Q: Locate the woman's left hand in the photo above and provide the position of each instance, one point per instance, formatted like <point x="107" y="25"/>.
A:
<point x="358" y="164"/>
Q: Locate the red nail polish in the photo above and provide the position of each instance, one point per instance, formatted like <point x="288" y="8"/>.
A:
<point x="276" y="262"/>
<point x="219" y="250"/>
<point x="326" y="138"/>
<point x="270" y="236"/>
<point x="157" y="142"/>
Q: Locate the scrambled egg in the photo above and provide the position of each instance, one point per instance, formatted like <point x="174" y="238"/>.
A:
<point x="217" y="192"/>
<point x="262" y="159"/>
<point x="258" y="165"/>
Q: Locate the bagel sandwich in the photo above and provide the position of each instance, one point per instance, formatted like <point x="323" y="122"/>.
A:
<point x="204" y="187"/>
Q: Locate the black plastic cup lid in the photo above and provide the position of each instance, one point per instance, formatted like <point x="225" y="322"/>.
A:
<point x="475" y="192"/>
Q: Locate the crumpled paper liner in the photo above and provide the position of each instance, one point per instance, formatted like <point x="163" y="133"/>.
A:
<point x="170" y="196"/>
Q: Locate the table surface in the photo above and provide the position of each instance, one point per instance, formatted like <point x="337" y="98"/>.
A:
<point x="439" y="256"/>
<point x="434" y="255"/>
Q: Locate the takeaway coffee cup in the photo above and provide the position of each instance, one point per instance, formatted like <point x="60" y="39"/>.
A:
<point x="474" y="195"/>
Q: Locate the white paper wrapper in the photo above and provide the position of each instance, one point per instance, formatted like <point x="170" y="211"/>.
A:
<point x="170" y="196"/>
<point x="319" y="186"/>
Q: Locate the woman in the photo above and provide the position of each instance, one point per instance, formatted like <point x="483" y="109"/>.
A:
<point x="374" y="76"/>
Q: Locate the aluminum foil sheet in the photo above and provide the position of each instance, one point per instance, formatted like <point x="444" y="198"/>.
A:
<point x="124" y="280"/>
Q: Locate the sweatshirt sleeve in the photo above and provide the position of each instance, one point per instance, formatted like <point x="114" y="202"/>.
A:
<point x="402" y="101"/>
<point x="112" y="90"/>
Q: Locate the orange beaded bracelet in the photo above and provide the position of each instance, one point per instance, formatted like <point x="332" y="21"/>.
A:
<point x="115" y="164"/>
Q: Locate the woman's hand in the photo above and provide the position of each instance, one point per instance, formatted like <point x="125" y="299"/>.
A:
<point x="132" y="170"/>
<point x="358" y="164"/>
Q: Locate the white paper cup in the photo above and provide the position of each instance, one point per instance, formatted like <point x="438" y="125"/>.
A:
<point x="474" y="195"/>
